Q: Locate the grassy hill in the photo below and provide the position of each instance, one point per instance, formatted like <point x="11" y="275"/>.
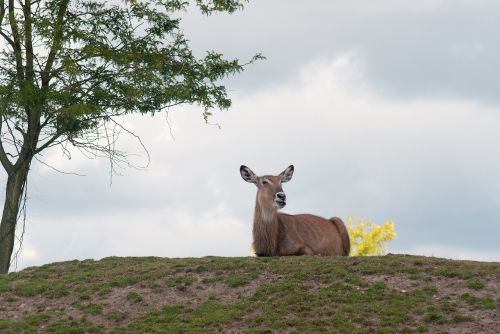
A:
<point x="389" y="294"/>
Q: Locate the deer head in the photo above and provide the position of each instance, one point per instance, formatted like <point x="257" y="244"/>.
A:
<point x="270" y="194"/>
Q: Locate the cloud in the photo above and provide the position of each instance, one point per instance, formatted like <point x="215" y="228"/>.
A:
<point x="411" y="49"/>
<point x="456" y="253"/>
<point x="168" y="232"/>
<point x="425" y="163"/>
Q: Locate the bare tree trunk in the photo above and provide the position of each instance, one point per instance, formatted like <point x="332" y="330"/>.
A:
<point x="16" y="182"/>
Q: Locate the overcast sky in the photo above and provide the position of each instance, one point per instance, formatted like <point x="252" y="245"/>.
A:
<point x="388" y="110"/>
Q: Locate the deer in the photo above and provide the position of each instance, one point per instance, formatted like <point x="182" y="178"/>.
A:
<point x="280" y="234"/>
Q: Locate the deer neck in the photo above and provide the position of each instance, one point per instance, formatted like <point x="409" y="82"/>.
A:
<point x="265" y="231"/>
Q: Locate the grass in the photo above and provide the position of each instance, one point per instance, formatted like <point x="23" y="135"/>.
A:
<point x="234" y="281"/>
<point x="475" y="283"/>
<point x="88" y="308"/>
<point x="388" y="294"/>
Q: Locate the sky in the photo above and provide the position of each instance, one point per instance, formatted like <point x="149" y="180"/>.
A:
<point x="388" y="110"/>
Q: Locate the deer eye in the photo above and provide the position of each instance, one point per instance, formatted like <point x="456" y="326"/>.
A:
<point x="264" y="182"/>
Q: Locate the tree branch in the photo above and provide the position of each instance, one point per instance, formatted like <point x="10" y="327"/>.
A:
<point x="57" y="170"/>
<point x="48" y="142"/>
<point x="28" y="40"/>
<point x="2" y="11"/>
<point x="14" y="139"/>
<point x="2" y="15"/>
<point x="7" y="165"/>
<point x="16" y="40"/>
<point x="56" y="43"/>
<point x="7" y="38"/>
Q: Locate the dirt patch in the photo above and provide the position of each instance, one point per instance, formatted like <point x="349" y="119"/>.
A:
<point x="123" y="309"/>
<point x="445" y="286"/>
<point x="450" y="290"/>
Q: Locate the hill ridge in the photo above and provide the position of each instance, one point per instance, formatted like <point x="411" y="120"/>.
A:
<point x="386" y="294"/>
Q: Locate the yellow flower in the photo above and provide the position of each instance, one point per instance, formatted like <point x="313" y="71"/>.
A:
<point x="368" y="238"/>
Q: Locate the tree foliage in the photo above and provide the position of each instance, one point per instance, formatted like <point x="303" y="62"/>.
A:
<point x="79" y="63"/>
<point x="68" y="68"/>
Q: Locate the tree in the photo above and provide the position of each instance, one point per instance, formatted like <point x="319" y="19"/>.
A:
<point x="68" y="69"/>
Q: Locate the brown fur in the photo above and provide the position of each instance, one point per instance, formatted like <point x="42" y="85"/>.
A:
<point x="278" y="234"/>
<point x="302" y="234"/>
<point x="346" y="241"/>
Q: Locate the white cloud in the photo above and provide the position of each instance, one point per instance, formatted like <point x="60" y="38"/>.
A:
<point x="160" y="232"/>
<point x="426" y="4"/>
<point x="449" y="252"/>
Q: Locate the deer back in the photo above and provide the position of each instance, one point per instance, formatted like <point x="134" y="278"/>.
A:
<point x="308" y="234"/>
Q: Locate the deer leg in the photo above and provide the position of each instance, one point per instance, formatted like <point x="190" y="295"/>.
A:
<point x="304" y="250"/>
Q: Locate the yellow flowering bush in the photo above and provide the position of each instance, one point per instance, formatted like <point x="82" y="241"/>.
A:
<point x="368" y="238"/>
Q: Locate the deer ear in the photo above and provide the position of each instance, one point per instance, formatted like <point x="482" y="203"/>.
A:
<point x="247" y="174"/>
<point x="287" y="174"/>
